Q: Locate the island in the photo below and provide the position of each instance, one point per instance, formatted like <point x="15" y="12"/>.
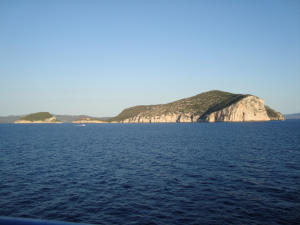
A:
<point x="211" y="106"/>
<point x="89" y="120"/>
<point x="40" y="117"/>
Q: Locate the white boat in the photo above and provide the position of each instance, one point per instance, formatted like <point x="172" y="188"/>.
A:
<point x="81" y="125"/>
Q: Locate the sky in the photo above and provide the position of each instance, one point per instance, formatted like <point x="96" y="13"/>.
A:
<point x="98" y="57"/>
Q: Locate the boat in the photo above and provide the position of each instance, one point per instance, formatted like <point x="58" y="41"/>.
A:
<point x="81" y="125"/>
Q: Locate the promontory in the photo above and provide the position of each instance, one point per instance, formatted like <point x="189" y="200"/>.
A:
<point x="211" y="106"/>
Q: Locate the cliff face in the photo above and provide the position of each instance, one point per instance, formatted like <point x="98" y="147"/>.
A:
<point x="250" y="108"/>
<point x="213" y="106"/>
<point x="164" y="118"/>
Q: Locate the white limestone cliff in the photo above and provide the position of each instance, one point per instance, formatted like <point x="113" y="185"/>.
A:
<point x="250" y="108"/>
<point x="164" y="118"/>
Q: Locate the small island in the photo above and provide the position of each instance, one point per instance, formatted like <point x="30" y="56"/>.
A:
<point x="40" y="117"/>
<point x="89" y="120"/>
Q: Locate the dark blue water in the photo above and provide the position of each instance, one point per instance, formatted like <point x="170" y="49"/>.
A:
<point x="220" y="173"/>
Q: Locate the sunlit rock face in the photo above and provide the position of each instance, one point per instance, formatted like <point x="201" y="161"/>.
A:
<point x="250" y="108"/>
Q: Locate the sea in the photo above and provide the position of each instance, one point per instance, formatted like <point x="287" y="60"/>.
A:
<point x="181" y="173"/>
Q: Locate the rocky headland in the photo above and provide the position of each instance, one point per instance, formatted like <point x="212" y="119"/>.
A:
<point x="212" y="106"/>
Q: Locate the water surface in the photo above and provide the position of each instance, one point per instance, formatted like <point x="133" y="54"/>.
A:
<point x="220" y="173"/>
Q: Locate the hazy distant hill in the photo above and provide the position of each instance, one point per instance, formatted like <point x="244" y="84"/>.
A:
<point x="9" y="119"/>
<point x="71" y="118"/>
<point x="292" y="116"/>
<point x="68" y="118"/>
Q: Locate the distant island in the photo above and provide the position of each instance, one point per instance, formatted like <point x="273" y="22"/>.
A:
<point x="40" y="117"/>
<point x="211" y="106"/>
<point x="294" y="116"/>
<point x="89" y="120"/>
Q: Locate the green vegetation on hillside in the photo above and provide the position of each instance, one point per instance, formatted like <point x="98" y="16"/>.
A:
<point x="130" y="112"/>
<point x="271" y="112"/>
<point x="197" y="105"/>
<point x="37" y="116"/>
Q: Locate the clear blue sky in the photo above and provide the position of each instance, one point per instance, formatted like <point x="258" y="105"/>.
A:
<point x="99" y="57"/>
